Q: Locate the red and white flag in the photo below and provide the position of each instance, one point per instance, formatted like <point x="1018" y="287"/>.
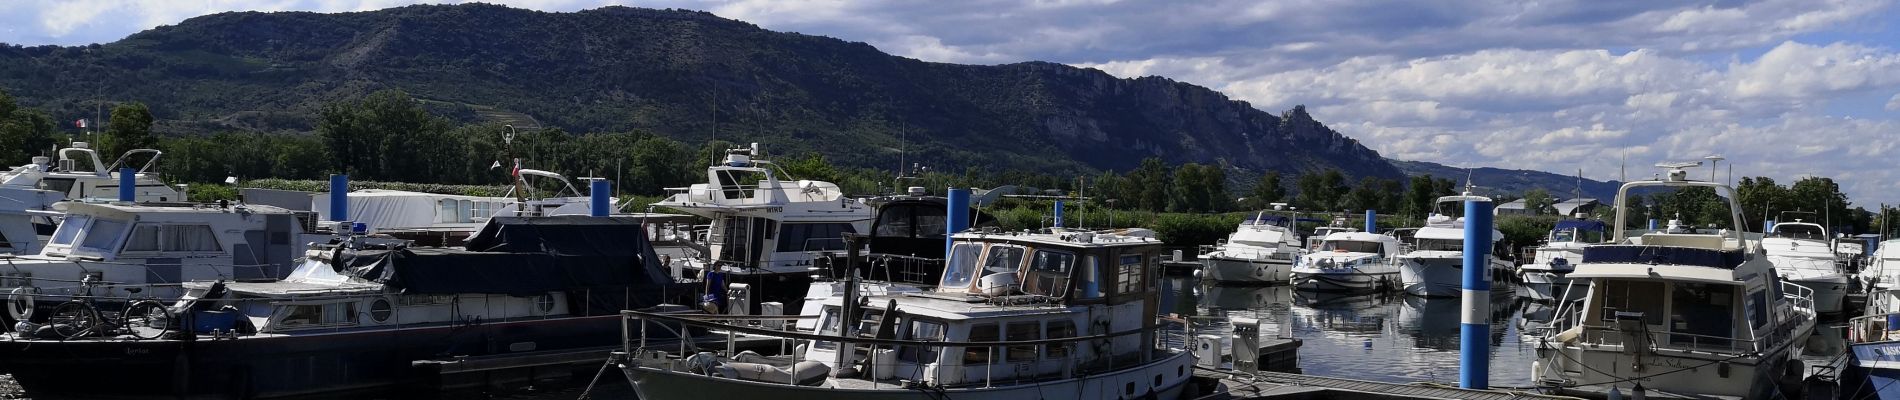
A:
<point x="517" y="171"/>
<point x="81" y="123"/>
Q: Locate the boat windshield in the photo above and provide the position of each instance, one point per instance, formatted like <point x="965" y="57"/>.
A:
<point x="1576" y="235"/>
<point x="960" y="269"/>
<point x="1441" y="244"/>
<point x="1353" y="246"/>
<point x="1800" y="231"/>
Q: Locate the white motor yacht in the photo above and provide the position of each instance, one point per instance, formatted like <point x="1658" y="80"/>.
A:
<point x="1260" y="251"/>
<point x="767" y="232"/>
<point x="1350" y="262"/>
<point x="1802" y="253"/>
<point x="1544" y="278"/>
<point x="1017" y="316"/>
<point x="1688" y="313"/>
<point x="1881" y="277"/>
<point x="1434" y="265"/>
<point x="80" y="173"/>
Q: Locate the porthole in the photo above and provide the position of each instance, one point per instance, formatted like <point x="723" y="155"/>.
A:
<point x="545" y="303"/>
<point x="379" y="310"/>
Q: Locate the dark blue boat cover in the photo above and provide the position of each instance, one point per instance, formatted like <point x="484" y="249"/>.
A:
<point x="1657" y="255"/>
<point x="521" y="256"/>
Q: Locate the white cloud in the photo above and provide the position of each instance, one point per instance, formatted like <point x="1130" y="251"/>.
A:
<point x="1893" y="104"/>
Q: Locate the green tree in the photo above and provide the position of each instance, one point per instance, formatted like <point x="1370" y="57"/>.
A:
<point x="810" y="166"/>
<point x="130" y="128"/>
<point x="1370" y="194"/>
<point x="23" y="132"/>
<point x="1537" y="200"/>
<point x="1320" y="191"/>
<point x="387" y="136"/>
<point x="1266" y="192"/>
<point x="1110" y="186"/>
<point x="1151" y="183"/>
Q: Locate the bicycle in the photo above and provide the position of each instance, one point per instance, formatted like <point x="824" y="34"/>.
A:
<point x="141" y="318"/>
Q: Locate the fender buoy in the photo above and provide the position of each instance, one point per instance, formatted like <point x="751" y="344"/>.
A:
<point x="20" y="304"/>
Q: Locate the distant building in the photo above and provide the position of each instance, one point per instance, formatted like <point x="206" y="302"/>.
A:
<point x="1515" y="207"/>
<point x="1572" y="207"/>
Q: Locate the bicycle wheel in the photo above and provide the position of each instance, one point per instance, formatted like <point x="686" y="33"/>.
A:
<point x="146" y="319"/>
<point x="75" y="319"/>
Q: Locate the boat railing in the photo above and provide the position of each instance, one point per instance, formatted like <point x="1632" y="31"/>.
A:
<point x="1801" y="296"/>
<point x="1606" y="335"/>
<point x="887" y="360"/>
<point x="1874" y="328"/>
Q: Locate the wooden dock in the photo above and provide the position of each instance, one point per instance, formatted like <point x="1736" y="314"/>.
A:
<point x="1232" y="385"/>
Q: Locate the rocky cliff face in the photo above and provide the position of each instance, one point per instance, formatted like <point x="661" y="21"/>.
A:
<point x="682" y="74"/>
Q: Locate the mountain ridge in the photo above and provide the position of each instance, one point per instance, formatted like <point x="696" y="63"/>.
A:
<point x="678" y="73"/>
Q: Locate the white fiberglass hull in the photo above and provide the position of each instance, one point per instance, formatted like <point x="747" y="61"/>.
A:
<point x="1547" y="286"/>
<point x="1830" y="291"/>
<point x="1343" y="280"/>
<point x="1439" y="276"/>
<point x="1244" y="271"/>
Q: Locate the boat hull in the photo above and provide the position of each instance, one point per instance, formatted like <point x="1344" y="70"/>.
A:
<point x="1546" y="286"/>
<point x="269" y="366"/>
<point x="1235" y="271"/>
<point x="1829" y="291"/>
<point x="1347" y="282"/>
<point x="1711" y="375"/>
<point x="1871" y="373"/>
<point x="1438" y="276"/>
<point x="1163" y="379"/>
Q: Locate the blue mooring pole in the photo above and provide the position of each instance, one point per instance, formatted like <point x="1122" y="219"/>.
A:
<point x="1474" y="367"/>
<point x="957" y="215"/>
<point x="1767" y="225"/>
<point x="1372" y="221"/>
<point x="1058" y="222"/>
<point x="339" y="197"/>
<point x="128" y="184"/>
<point x="1652" y="224"/>
<point x="599" y="193"/>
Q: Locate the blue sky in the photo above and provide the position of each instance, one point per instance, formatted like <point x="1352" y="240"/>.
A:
<point x="1782" y="88"/>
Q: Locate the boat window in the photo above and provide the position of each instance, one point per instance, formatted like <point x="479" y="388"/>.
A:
<point x="1563" y="235"/>
<point x="446" y="210"/>
<point x="926" y="331"/>
<point x="1003" y="259"/>
<point x="61" y="185"/>
<point x="1353" y="246"/>
<point x="188" y="238"/>
<point x="828" y="325"/>
<point x="1439" y="245"/>
<point x="1800" y="231"/>
<point x="1023" y="331"/>
<point x="1633" y="296"/>
<point x="960" y="268"/>
<point x="1704" y="311"/>
<point x="813" y="236"/>
<point x="69" y="229"/>
<point x="1049" y="272"/>
<point x="1758" y="309"/>
<point x="737" y="240"/>
<point x="103" y="235"/>
<point x="1128" y="276"/>
<point x="931" y="225"/>
<point x="1059" y="329"/>
<point x="463" y="209"/>
<point x="895" y="222"/>
<point x="320" y="314"/>
<point x="980" y="333"/>
<point x="1089" y="284"/>
<point x="738" y="184"/>
<point x="144" y="238"/>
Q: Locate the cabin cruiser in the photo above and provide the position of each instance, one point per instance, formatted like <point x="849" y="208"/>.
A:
<point x="1017" y="316"/>
<point x="1260" y="251"/>
<point x="766" y="233"/>
<point x="1434" y="265"/>
<point x="1802" y="253"/>
<point x="1881" y="277"/>
<point x="1873" y="340"/>
<point x="1693" y="313"/>
<point x="80" y="173"/>
<point x="1349" y="262"/>
<point x="1544" y="277"/>
<point x="122" y="251"/>
<point x="357" y="312"/>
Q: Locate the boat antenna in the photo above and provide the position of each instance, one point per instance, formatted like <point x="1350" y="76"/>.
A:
<point x="1577" y="192"/>
<point x="521" y="197"/>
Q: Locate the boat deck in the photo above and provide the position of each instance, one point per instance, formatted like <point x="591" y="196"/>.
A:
<point x="1276" y="385"/>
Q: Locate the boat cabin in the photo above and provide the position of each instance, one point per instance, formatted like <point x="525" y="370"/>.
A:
<point x="136" y="247"/>
<point x="81" y="173"/>
<point x="1577" y="231"/>
<point x="1011" y="288"/>
<point x="761" y="221"/>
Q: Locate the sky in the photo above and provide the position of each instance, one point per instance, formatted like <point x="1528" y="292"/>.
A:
<point x="1780" y="88"/>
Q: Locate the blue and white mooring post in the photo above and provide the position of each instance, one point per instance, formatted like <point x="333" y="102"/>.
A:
<point x="128" y="184"/>
<point x="1058" y="214"/>
<point x="957" y="216"/>
<point x="1474" y="349"/>
<point x="1372" y="221"/>
<point x="599" y="198"/>
<point x="339" y="197"/>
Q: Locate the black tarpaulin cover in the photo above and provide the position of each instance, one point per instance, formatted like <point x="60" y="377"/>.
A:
<point x="521" y="256"/>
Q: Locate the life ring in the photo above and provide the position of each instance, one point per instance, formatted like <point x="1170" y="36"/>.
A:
<point x="20" y="304"/>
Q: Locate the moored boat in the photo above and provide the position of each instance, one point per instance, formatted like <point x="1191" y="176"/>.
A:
<point x="1683" y="312"/>
<point x="1017" y="316"/>
<point x="1803" y="253"/>
<point x="1357" y="262"/>
<point x="1259" y="252"/>
<point x="1433" y="266"/>
<point x="1545" y="278"/>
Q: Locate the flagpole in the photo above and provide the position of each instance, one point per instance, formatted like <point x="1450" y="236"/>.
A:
<point x="521" y="197"/>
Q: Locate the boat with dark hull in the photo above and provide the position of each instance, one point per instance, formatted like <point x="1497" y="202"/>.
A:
<point x="357" y="313"/>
